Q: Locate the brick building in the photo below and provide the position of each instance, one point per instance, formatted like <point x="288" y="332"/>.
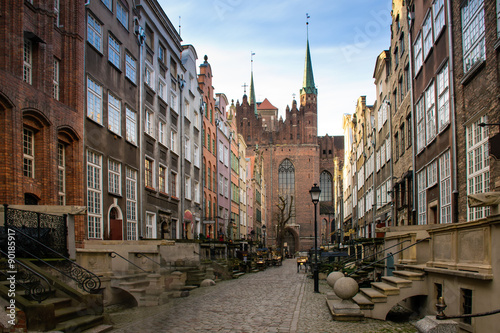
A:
<point x="293" y="159"/>
<point x="41" y="103"/>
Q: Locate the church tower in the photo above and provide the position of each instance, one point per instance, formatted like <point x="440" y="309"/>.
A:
<point x="308" y="99"/>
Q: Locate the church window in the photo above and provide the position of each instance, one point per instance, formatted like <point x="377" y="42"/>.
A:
<point x="286" y="186"/>
<point x="325" y="184"/>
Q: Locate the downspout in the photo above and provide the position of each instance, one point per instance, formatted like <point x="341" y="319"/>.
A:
<point x="452" y="111"/>
<point x="410" y="58"/>
<point x="182" y="142"/>
<point x="141" y="137"/>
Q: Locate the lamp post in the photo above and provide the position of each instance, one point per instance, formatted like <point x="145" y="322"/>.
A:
<point x="315" y="192"/>
<point x="264" y="234"/>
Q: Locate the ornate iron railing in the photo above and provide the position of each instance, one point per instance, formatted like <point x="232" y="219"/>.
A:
<point x="113" y="254"/>
<point x="385" y="249"/>
<point x="36" y="286"/>
<point x="85" y="279"/>
<point x="140" y="254"/>
<point x="353" y="257"/>
<point x="46" y="228"/>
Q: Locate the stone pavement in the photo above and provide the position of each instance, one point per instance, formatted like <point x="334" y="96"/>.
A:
<point x="275" y="300"/>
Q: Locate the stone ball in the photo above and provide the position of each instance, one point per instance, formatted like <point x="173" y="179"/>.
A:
<point x="333" y="277"/>
<point x="346" y="288"/>
<point x="207" y="283"/>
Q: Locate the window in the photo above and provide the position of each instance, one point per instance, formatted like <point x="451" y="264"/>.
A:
<point x="162" y="132"/>
<point x="28" y="61"/>
<point x="214" y="178"/>
<point x="94" y="101"/>
<point x="473" y="46"/>
<point x="430" y="114"/>
<point x="467" y="305"/>
<point x="122" y="14"/>
<point x="221" y="151"/>
<point x="28" y="153"/>
<point x="209" y="182"/>
<point x="108" y="3"/>
<point x="401" y="90"/>
<point x="402" y="131"/>
<point x="131" y="189"/>
<point x="187" y="110"/>
<point x="196" y="156"/>
<point x="130" y="67"/>
<point x="114" y="177"/>
<point x="162" y="89"/>
<point x="408" y="129"/>
<point x="187" y="148"/>
<point x="94" y="195"/>
<point x="150" y="225"/>
<point x="422" y="197"/>
<point x="407" y="79"/>
<point x="61" y="173"/>
<point x="161" y="54"/>
<point x="478" y="166"/>
<point x="326" y="186"/>
<point x="226" y="156"/>
<point x="187" y="185"/>
<point x="226" y="187"/>
<point x="173" y="100"/>
<point x="396" y="147"/>
<point x="149" y="76"/>
<point x="162" y="179"/>
<point x="286" y="184"/>
<point x="196" y="192"/>
<point x="55" y="80"/>
<point x="388" y="149"/>
<point x="420" y="125"/>
<point x="150" y="37"/>
<point x="221" y="185"/>
<point x="149" y="123"/>
<point x="428" y="37"/>
<point x="498" y="18"/>
<point x="57" y="12"/>
<point x="438" y="11"/>
<point x="396" y="57"/>
<point x="173" y="141"/>
<point x="445" y="188"/>
<point x="114" y="114"/>
<point x="196" y="119"/>
<point x="432" y="174"/>
<point x="94" y="33"/>
<point x="131" y="126"/>
<point x="173" y="184"/>
<point x="148" y="169"/>
<point x="417" y="52"/>
<point x="443" y="98"/>
<point x="114" y="51"/>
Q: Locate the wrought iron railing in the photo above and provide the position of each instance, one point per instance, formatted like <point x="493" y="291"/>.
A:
<point x="140" y="254"/>
<point x="385" y="249"/>
<point x="388" y="256"/>
<point x="85" y="279"/>
<point x="113" y="254"/>
<point x="354" y="255"/>
<point x="35" y="285"/>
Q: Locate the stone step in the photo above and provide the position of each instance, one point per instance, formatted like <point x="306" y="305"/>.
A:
<point x="385" y="288"/>
<point x="134" y="284"/>
<point x="414" y="276"/>
<point x="374" y="295"/>
<point x="80" y="323"/>
<point x="397" y="281"/>
<point x="237" y="275"/>
<point x="188" y="288"/>
<point x="363" y="302"/>
<point x="99" y="329"/>
<point x="68" y="313"/>
<point x="59" y="302"/>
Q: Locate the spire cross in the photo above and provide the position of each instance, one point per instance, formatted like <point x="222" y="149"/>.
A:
<point x="293" y="95"/>
<point x="245" y="85"/>
<point x="251" y="58"/>
<point x="307" y="24"/>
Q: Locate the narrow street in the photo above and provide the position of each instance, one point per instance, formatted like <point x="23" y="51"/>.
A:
<point x="275" y="300"/>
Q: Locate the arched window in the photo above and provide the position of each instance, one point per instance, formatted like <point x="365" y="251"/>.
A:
<point x="325" y="184"/>
<point x="286" y="184"/>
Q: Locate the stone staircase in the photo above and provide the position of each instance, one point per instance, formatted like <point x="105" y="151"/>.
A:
<point x="376" y="301"/>
<point x="147" y="289"/>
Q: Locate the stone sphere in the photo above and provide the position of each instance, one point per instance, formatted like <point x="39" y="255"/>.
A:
<point x="207" y="283"/>
<point x="333" y="277"/>
<point x="346" y="288"/>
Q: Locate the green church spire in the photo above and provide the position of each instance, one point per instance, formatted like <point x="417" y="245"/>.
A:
<point x="252" y="88"/>
<point x="308" y="86"/>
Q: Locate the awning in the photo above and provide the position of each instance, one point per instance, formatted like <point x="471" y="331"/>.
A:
<point x="188" y="216"/>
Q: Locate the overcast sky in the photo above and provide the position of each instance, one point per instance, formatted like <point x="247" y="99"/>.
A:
<point x="345" y="38"/>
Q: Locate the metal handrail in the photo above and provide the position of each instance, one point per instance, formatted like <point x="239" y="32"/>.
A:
<point x="34" y="288"/>
<point x="84" y="278"/>
<point x="390" y="255"/>
<point x="343" y="262"/>
<point x="387" y="248"/>
<point x="130" y="262"/>
<point x="441" y="306"/>
<point x="140" y="254"/>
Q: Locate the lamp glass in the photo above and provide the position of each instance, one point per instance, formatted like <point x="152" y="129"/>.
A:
<point x="315" y="193"/>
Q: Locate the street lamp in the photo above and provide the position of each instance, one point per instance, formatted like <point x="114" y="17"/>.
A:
<point x="315" y="192"/>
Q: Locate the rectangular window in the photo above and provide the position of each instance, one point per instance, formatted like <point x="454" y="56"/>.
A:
<point x="130" y="67"/>
<point x="432" y="174"/>
<point x="196" y="156"/>
<point x="173" y="184"/>
<point x="114" y="114"/>
<point x="114" y="177"/>
<point x="161" y="54"/>
<point x="187" y="148"/>
<point x="417" y="52"/>
<point x="443" y="98"/>
<point x="149" y="76"/>
<point x="438" y="11"/>
<point x="478" y="167"/>
<point x="428" y="36"/>
<point x="187" y="192"/>
<point x="148" y="172"/>
<point x="122" y="14"/>
<point x="162" y="89"/>
<point x="221" y="185"/>
<point x="407" y="79"/>
<point x="388" y="148"/>
<point x="94" y="195"/>
<point x="149" y="123"/>
<point x="402" y="131"/>
<point x="162" y="179"/>
<point x="173" y="101"/>
<point x="114" y="51"/>
<point x="196" y="192"/>
<point x="467" y="305"/>
<point x="55" y="80"/>
<point x="150" y="225"/>
<point x="422" y="197"/>
<point x="430" y="114"/>
<point x="221" y="151"/>
<point x="131" y="124"/>
<point x="409" y="131"/>
<point x="131" y="184"/>
<point x="162" y="132"/>
<point x="108" y="3"/>
<point x="61" y="173"/>
<point x="28" y="153"/>
<point x="28" y="61"/>
<point x="498" y="18"/>
<point x="56" y="12"/>
<point x="396" y="146"/>
<point x="445" y="188"/>
<point x="94" y="32"/>
<point x="173" y="141"/>
<point x="94" y="101"/>
<point x="473" y="45"/>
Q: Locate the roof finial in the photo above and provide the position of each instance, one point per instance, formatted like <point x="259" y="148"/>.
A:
<point x="307" y="24"/>
<point x="179" y="25"/>
<point x="251" y="59"/>
<point x="245" y="85"/>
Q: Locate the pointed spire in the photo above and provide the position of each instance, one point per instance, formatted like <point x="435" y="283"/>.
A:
<point x="252" y="88"/>
<point x="308" y="85"/>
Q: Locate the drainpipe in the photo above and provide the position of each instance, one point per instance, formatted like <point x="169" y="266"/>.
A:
<point x="180" y="80"/>
<point x="452" y="111"/>
<point x="414" y="187"/>
<point x="141" y="136"/>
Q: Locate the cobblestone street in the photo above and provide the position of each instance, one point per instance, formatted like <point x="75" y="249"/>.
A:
<point x="275" y="300"/>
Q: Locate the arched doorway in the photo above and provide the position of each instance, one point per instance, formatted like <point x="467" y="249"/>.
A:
<point x="115" y="224"/>
<point x="290" y="241"/>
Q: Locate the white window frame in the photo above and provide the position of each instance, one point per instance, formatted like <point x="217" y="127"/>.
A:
<point x="420" y="124"/>
<point x="173" y="101"/>
<point x="56" y="12"/>
<point x="94" y="195"/>
<point x="388" y="148"/>
<point x="114" y="51"/>
<point x="131" y="125"/>
<point x="430" y="113"/>
<point x="427" y="33"/>
<point x="114" y="114"/>
<point x="422" y="197"/>
<point x="226" y="187"/>
<point x="28" y="153"/>
<point x="94" y="32"/>
<point x="187" y="148"/>
<point x="418" y="53"/>
<point x="149" y="123"/>
<point x="94" y="100"/>
<point x="173" y="141"/>
<point x="473" y="33"/>
<point x="162" y="132"/>
<point x="221" y="185"/>
<point x="131" y="196"/>
<point x="187" y="110"/>
<point x="130" y="68"/>
<point x="196" y="191"/>
<point x="108" y="4"/>
<point x="149" y="76"/>
<point x="174" y="192"/>
<point x="114" y="177"/>
<point x="162" y="88"/>
<point x="150" y="225"/>
<point x="122" y="14"/>
<point x="445" y="188"/>
<point x="187" y="187"/>
<point x="55" y="80"/>
<point x="221" y="151"/>
<point x="61" y="173"/>
<point x="432" y="174"/>
<point x="196" y="157"/>
<point x="438" y="12"/>
<point x="28" y="62"/>
<point x="152" y="169"/>
<point x="163" y="187"/>
<point x="443" y="94"/>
